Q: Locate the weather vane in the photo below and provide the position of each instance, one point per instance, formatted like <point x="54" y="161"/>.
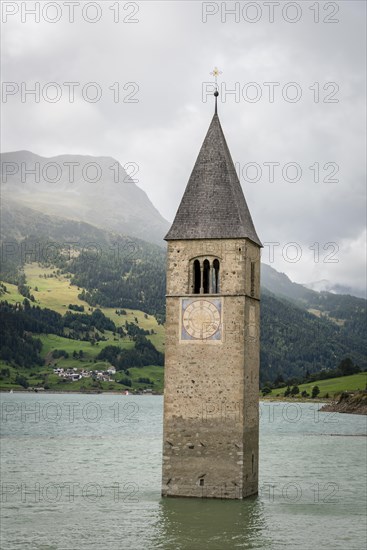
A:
<point x="216" y="72"/>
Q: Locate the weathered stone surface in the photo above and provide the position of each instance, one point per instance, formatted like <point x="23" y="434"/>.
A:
<point x="211" y="392"/>
<point x="211" y="410"/>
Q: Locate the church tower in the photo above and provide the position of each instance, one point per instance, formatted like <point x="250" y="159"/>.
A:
<point x="211" y="420"/>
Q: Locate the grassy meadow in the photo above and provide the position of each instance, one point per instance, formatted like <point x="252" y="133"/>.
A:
<point x="45" y="376"/>
<point x="330" y="385"/>
<point x="12" y="295"/>
<point x="55" y="292"/>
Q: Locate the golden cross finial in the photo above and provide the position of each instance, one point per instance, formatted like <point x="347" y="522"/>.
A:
<point x="216" y="72"/>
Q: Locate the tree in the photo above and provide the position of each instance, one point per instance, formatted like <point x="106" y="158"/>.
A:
<point x="125" y="382"/>
<point x="22" y="381"/>
<point x="144" y="380"/>
<point x="266" y="390"/>
<point x="57" y="353"/>
<point x="305" y="394"/>
<point x="294" y="390"/>
<point x="315" y="392"/>
<point x="347" y="367"/>
<point x="287" y="391"/>
<point x="279" y="381"/>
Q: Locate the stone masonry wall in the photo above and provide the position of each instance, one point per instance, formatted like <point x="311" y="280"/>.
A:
<point x="210" y="444"/>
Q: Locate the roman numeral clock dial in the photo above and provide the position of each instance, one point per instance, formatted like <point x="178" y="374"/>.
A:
<point x="201" y="319"/>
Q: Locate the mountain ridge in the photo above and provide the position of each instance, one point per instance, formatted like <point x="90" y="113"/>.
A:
<point x="82" y="188"/>
<point x="300" y="329"/>
<point x="20" y="222"/>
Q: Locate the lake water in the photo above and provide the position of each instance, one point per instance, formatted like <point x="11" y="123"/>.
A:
<point x="84" y="472"/>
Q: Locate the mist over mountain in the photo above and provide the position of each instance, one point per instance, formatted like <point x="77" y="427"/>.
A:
<point x="327" y="286"/>
<point x="79" y="197"/>
<point x="281" y="284"/>
<point x="98" y="191"/>
<point x="20" y="222"/>
<point x="94" y="190"/>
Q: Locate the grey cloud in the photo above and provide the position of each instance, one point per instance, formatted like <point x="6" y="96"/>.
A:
<point x="170" y="52"/>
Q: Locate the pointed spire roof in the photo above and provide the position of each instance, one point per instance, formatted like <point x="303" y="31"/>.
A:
<point x="213" y="205"/>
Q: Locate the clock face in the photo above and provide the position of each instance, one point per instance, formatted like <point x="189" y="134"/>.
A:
<point x="201" y="319"/>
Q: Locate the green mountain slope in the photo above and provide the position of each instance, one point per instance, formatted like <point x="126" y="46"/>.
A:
<point x="114" y="270"/>
<point x="294" y="341"/>
<point x="300" y="329"/>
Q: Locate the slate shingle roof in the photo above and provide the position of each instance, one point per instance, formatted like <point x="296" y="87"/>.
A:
<point x="213" y="205"/>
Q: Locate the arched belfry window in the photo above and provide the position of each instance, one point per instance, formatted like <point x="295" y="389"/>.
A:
<point x="197" y="277"/>
<point x="216" y="276"/>
<point x="206" y="277"/>
<point x="205" y="273"/>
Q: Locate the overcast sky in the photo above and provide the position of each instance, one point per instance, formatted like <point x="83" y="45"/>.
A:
<point x="168" y="54"/>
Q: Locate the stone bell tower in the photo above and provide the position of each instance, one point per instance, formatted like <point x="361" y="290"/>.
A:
<point x="211" y="420"/>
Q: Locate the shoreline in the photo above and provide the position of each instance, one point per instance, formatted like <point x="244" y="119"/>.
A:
<point x="51" y="392"/>
<point x="55" y="392"/>
<point x="348" y="403"/>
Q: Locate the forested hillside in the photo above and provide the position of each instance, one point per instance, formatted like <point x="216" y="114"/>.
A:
<point x="294" y="341"/>
<point x="301" y="330"/>
<point x="114" y="270"/>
